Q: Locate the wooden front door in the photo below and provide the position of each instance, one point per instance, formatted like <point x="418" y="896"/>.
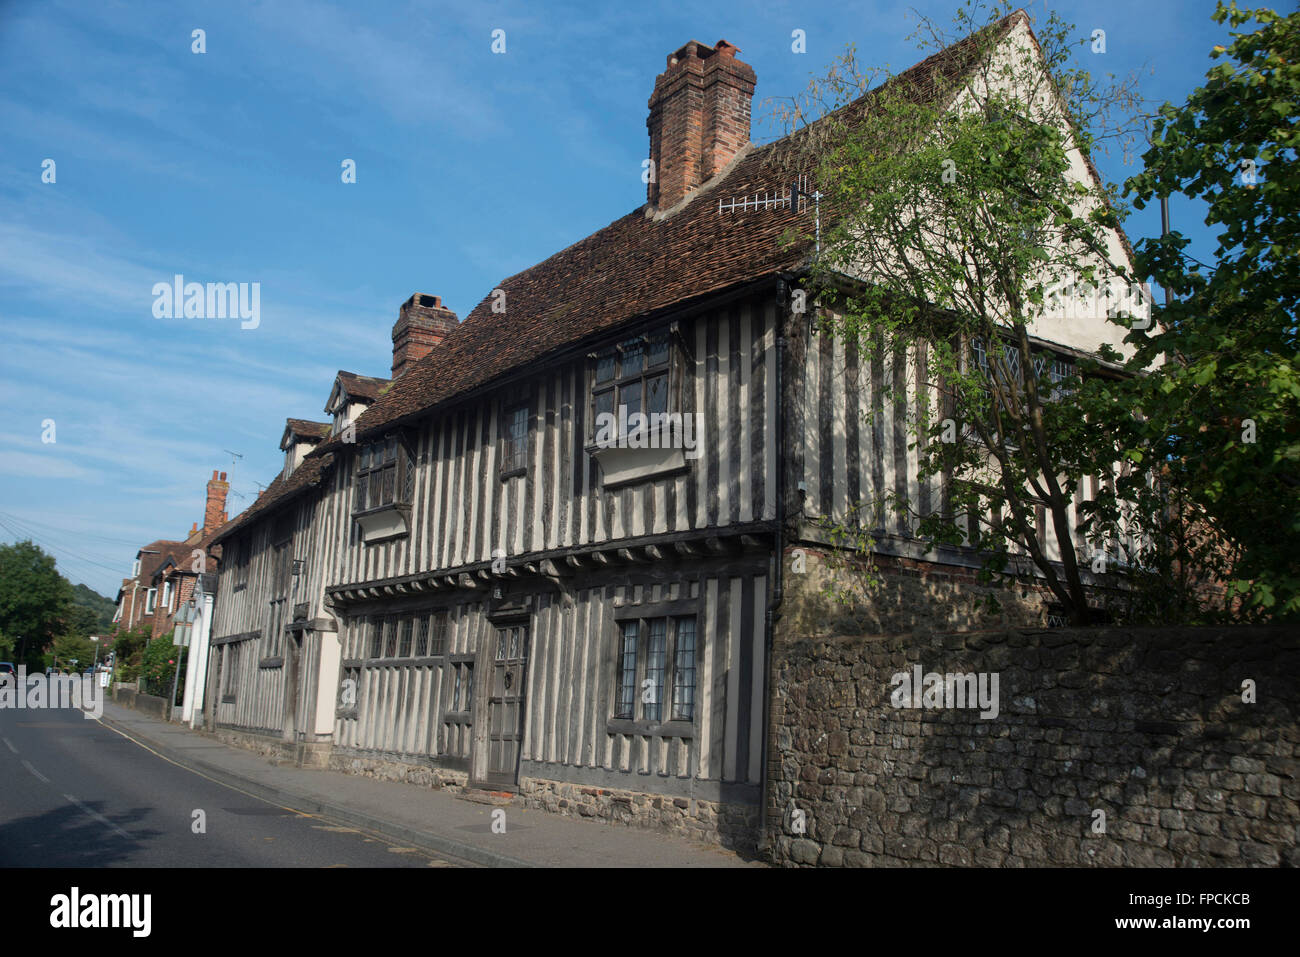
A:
<point x="505" y="705"/>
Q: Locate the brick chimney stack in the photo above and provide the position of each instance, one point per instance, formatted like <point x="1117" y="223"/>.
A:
<point x="699" y="118"/>
<point x="422" y="323"/>
<point x="214" y="513"/>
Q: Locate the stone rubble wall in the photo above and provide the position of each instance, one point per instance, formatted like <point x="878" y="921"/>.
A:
<point x="1147" y="725"/>
<point x="708" y="822"/>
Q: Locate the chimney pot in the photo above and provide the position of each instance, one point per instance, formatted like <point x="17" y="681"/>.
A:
<point x="699" y="119"/>
<point x="214" y="507"/>
<point x="422" y="323"/>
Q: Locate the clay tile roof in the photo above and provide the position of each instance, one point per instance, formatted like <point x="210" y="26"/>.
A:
<point x="305" y="476"/>
<point x="637" y="265"/>
<point x="307" y="429"/>
<point x="163" y="552"/>
<point x="363" y="386"/>
<point x="297" y="430"/>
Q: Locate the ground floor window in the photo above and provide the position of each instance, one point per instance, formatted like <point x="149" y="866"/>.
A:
<point x="230" y="675"/>
<point x="419" y="635"/>
<point x="655" y="654"/>
<point x="462" y="687"/>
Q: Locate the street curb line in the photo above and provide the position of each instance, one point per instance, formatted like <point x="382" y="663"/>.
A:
<point x="296" y="802"/>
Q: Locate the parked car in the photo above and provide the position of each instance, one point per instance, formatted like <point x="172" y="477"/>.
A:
<point x="7" y="669"/>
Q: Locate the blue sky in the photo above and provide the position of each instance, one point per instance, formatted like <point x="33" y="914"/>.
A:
<point x="225" y="167"/>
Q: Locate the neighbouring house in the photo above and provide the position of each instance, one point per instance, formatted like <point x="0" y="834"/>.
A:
<point x="164" y="572"/>
<point x="489" y="573"/>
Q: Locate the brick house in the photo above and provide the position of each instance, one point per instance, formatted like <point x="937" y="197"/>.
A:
<point x="165" y="572"/>
<point x="487" y="576"/>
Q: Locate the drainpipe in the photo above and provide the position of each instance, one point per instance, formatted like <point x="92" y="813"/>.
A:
<point x="778" y="593"/>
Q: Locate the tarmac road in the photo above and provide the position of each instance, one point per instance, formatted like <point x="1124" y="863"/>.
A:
<point x="76" y="793"/>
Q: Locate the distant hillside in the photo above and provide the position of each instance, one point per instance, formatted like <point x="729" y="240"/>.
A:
<point x="97" y="605"/>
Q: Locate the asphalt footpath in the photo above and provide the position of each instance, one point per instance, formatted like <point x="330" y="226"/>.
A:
<point x="433" y="820"/>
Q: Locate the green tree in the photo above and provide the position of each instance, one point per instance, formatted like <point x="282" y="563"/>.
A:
<point x="129" y="647"/>
<point x="34" y="600"/>
<point x="952" y="221"/>
<point x="94" y="611"/>
<point x="1221" y="416"/>
<point x="66" y="648"/>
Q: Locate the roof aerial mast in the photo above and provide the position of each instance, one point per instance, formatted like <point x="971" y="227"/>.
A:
<point x="782" y="199"/>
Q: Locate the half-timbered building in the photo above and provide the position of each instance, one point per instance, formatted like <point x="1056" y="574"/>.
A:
<point x="546" y="556"/>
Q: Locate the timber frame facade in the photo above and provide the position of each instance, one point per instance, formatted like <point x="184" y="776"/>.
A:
<point x="458" y="583"/>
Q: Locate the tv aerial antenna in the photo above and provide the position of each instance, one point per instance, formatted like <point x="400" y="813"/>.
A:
<point x="795" y="196"/>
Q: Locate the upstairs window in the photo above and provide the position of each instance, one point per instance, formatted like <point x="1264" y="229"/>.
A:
<point x="1050" y="370"/>
<point x="514" y="439"/>
<point x="636" y="376"/>
<point x="385" y="474"/>
<point x="241" y="550"/>
<point x="151" y="601"/>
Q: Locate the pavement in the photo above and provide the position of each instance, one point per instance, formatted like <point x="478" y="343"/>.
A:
<point x="436" y="821"/>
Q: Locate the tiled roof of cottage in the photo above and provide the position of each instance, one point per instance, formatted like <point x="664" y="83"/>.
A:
<point x="635" y="266"/>
<point x="308" y="429"/>
<point x="163" y="552"/>
<point x="363" y="386"/>
<point x="639" y="264"/>
<point x="305" y="476"/>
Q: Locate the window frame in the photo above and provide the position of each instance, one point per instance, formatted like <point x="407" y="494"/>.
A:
<point x="1049" y="365"/>
<point x="460" y="689"/>
<point x="230" y="679"/>
<point x="402" y="465"/>
<point x="395" y="632"/>
<point x="667" y="716"/>
<point x="670" y="369"/>
<point x="512" y="465"/>
<point x="241" y="549"/>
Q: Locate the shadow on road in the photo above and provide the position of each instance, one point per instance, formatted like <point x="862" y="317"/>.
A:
<point x="68" y="837"/>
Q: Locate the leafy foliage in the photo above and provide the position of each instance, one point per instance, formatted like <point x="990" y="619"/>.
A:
<point x="957" y="218"/>
<point x="158" y="664"/>
<point x="67" y="648"/>
<point x="34" y="600"/>
<point x="95" y="612"/>
<point x="1221" y="417"/>
<point x="129" y="647"/>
